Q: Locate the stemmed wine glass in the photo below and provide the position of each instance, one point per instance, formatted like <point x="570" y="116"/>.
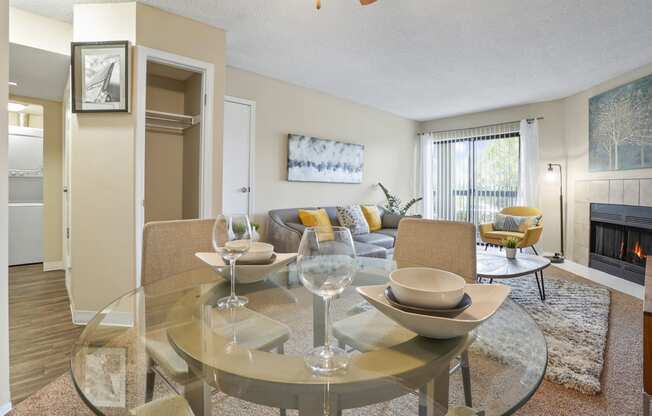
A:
<point x="232" y="239"/>
<point x="326" y="263"/>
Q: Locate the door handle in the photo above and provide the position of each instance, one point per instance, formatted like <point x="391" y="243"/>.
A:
<point x="244" y="189"/>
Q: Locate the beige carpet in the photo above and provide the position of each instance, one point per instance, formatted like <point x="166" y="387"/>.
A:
<point x="621" y="379"/>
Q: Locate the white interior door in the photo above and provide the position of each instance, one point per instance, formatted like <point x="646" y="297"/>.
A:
<point x="239" y="116"/>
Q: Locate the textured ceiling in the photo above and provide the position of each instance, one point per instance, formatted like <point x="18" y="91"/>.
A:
<point x="423" y="59"/>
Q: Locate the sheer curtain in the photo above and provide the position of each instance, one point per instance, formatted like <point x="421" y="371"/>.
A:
<point x="426" y="175"/>
<point x="528" y="189"/>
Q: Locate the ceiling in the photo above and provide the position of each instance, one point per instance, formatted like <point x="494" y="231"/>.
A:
<point x="38" y="73"/>
<point x="425" y="59"/>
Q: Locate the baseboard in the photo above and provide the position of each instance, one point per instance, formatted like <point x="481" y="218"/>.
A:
<point x="5" y="408"/>
<point x="81" y="317"/>
<point x="605" y="279"/>
<point x="49" y="266"/>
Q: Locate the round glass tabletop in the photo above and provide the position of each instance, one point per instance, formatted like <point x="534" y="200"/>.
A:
<point x="167" y="340"/>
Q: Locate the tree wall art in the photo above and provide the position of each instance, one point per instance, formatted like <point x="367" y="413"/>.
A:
<point x="620" y="127"/>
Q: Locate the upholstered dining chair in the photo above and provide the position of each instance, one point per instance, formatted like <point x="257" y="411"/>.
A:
<point x="169" y="249"/>
<point x="446" y="245"/>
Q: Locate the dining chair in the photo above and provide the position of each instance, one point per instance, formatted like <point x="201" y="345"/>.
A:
<point x="169" y="249"/>
<point x="445" y="245"/>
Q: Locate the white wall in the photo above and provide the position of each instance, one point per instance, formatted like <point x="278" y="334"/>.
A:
<point x="283" y="108"/>
<point x="4" y="283"/>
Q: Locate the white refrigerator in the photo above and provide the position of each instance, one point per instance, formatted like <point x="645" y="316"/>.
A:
<point x="25" y="162"/>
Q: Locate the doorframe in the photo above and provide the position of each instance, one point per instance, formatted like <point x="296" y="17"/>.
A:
<point x="252" y="146"/>
<point x="144" y="55"/>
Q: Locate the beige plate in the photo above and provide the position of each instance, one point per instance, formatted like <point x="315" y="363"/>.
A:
<point x="486" y="301"/>
<point x="250" y="273"/>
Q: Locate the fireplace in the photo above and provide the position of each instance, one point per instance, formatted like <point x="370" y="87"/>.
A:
<point x="621" y="240"/>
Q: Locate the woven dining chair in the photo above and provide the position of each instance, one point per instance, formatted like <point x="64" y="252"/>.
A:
<point x="445" y="245"/>
<point x="169" y="249"/>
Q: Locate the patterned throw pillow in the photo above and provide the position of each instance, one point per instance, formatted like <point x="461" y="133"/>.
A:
<point x="352" y="218"/>
<point x="515" y="223"/>
<point x="372" y="215"/>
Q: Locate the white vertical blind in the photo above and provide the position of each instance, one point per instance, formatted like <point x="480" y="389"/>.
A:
<point x="469" y="174"/>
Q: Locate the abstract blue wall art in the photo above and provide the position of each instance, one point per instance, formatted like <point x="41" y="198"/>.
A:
<point x="317" y="160"/>
<point x="620" y="127"/>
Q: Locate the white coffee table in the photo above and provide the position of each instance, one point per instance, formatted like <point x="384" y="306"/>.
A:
<point x="497" y="266"/>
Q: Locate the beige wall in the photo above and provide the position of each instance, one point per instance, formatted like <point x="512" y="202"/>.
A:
<point x="551" y="150"/>
<point x="102" y="178"/>
<point x="39" y="32"/>
<point x="192" y="149"/>
<point x="4" y="284"/>
<point x="576" y="129"/>
<point x="52" y="125"/>
<point x="164" y="153"/>
<point x="102" y="150"/>
<point x="195" y="40"/>
<point x="282" y="108"/>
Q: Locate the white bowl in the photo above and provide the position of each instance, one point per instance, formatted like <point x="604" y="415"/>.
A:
<point x="486" y="301"/>
<point x="258" y="252"/>
<point x="427" y="288"/>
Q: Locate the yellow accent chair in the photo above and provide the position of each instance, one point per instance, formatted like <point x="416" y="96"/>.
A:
<point x="529" y="238"/>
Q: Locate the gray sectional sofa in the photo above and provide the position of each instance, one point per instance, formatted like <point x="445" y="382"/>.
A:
<point x="284" y="231"/>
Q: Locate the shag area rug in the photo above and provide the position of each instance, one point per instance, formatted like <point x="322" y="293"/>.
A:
<point x="574" y="320"/>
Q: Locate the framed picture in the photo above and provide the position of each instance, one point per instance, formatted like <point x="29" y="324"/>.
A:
<point x="620" y="127"/>
<point x="311" y="159"/>
<point x="100" y="76"/>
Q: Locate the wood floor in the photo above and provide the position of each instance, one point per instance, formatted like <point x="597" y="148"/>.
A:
<point x="41" y="332"/>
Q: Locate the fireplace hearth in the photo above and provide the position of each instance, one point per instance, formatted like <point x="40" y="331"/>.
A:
<point x="621" y="240"/>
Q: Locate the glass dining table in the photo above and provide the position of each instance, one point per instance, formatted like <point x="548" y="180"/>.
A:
<point x="168" y="340"/>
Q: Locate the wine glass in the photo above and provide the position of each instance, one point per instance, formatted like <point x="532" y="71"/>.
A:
<point x="232" y="239"/>
<point x="326" y="263"/>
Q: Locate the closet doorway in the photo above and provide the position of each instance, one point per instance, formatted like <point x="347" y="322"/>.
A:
<point x="174" y="140"/>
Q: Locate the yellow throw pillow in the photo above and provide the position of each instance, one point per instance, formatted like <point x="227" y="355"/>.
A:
<point x="318" y="218"/>
<point x="372" y="215"/>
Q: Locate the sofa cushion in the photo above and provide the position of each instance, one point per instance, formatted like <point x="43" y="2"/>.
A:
<point x="352" y="218"/>
<point x="376" y="239"/>
<point x="296" y="226"/>
<point x="515" y="223"/>
<point x="372" y="215"/>
<point x="369" y="250"/>
<point x="501" y="235"/>
<point x="391" y="232"/>
<point x="391" y="220"/>
<point x="318" y="218"/>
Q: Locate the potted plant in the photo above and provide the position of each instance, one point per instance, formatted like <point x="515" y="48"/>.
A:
<point x="510" y="247"/>
<point x="254" y="231"/>
<point x="394" y="204"/>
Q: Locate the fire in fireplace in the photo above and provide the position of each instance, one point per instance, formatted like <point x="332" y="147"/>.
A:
<point x="621" y="240"/>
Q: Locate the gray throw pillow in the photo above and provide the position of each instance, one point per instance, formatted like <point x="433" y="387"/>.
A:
<point x="515" y="223"/>
<point x="352" y="218"/>
<point x="391" y="220"/>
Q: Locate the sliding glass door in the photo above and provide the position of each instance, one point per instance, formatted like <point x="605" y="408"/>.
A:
<point x="475" y="177"/>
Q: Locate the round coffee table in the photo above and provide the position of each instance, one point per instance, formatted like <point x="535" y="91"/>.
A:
<point x="497" y="266"/>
